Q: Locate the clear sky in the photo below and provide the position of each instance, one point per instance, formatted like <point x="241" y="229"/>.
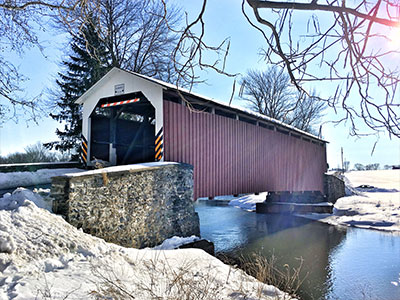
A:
<point x="223" y="19"/>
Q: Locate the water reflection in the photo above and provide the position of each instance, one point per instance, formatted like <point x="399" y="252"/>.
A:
<point x="333" y="256"/>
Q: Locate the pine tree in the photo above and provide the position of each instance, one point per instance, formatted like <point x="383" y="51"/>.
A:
<point x="87" y="63"/>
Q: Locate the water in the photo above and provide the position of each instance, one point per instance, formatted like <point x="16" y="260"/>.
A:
<point x="342" y="263"/>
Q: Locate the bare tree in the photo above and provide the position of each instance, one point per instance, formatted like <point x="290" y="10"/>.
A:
<point x="359" y="167"/>
<point x="308" y="112"/>
<point x="270" y="93"/>
<point x="34" y="153"/>
<point x="344" y="46"/>
<point x="19" y="22"/>
<point x="374" y="166"/>
<point x="138" y="35"/>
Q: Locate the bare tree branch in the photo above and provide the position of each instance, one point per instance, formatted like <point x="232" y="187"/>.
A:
<point x="345" y="46"/>
<point x="20" y="20"/>
<point x="313" y="6"/>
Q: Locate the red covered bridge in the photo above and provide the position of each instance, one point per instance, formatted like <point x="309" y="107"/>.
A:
<point x="232" y="150"/>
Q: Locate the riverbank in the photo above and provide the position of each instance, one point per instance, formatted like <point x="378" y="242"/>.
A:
<point x="42" y="256"/>
<point x="373" y="202"/>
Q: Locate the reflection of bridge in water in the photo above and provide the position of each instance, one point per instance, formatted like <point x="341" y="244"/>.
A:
<point x="287" y="238"/>
<point x="291" y="238"/>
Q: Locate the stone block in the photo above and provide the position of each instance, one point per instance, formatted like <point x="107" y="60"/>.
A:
<point x="201" y="244"/>
<point x="334" y="187"/>
<point x="132" y="207"/>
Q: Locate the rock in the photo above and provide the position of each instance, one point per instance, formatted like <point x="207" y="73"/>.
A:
<point x="201" y="244"/>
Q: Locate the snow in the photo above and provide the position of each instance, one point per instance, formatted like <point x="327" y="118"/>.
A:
<point x="20" y="195"/>
<point x="122" y="168"/>
<point x="243" y="201"/>
<point x="226" y="198"/>
<point x="248" y="202"/>
<point x="17" y="179"/>
<point x="175" y="242"/>
<point x="44" y="257"/>
<point x="388" y="179"/>
<point x="377" y="207"/>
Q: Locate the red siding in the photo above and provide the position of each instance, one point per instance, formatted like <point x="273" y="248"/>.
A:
<point x="232" y="157"/>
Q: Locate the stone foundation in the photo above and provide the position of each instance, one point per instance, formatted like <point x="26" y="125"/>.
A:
<point x="296" y="197"/>
<point x="334" y="187"/>
<point x="293" y="208"/>
<point x="133" y="206"/>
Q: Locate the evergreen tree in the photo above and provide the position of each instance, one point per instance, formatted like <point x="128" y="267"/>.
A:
<point x="87" y="63"/>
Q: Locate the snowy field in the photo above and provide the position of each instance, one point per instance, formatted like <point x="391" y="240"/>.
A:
<point x="374" y="207"/>
<point x="43" y="257"/>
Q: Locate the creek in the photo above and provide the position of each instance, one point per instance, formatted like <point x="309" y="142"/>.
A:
<point x="338" y="262"/>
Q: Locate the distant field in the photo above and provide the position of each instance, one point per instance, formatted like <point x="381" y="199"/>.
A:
<point x="389" y="179"/>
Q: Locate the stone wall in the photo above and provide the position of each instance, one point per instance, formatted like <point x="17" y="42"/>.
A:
<point x="296" y="197"/>
<point x="334" y="187"/>
<point x="133" y="206"/>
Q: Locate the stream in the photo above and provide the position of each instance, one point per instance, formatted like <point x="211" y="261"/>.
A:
<point x="338" y="262"/>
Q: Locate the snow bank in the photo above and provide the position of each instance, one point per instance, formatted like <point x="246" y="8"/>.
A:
<point x="373" y="208"/>
<point x="43" y="176"/>
<point x="42" y="256"/>
<point x="175" y="242"/>
<point x="248" y="202"/>
<point x="23" y="197"/>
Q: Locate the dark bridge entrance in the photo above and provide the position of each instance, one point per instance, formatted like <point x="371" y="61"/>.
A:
<point x="123" y="130"/>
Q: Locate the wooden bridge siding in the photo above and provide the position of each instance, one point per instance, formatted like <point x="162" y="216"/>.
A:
<point x="232" y="157"/>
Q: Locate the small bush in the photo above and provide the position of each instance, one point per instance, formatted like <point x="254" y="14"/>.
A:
<point x="34" y="153"/>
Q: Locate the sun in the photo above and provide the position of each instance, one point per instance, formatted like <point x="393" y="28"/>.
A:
<point x="394" y="37"/>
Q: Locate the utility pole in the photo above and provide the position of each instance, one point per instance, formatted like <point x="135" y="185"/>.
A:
<point x="342" y="159"/>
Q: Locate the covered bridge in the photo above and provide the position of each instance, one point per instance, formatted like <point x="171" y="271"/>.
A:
<point x="130" y="118"/>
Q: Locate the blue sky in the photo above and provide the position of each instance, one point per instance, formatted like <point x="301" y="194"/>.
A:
<point x="223" y="19"/>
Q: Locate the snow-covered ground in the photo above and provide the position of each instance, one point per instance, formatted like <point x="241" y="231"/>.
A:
<point x="44" y="257"/>
<point x="22" y="179"/>
<point x="376" y="207"/>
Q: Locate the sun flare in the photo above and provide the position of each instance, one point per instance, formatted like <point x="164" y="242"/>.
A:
<point x="394" y="38"/>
